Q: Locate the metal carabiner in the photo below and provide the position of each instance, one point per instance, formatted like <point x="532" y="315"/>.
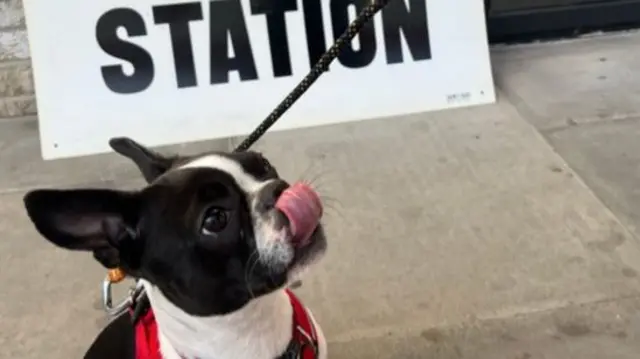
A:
<point x="107" y="300"/>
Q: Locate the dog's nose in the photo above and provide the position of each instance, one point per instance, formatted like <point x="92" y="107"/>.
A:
<point x="270" y="193"/>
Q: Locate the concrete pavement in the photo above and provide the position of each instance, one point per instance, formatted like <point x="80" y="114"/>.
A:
<point x="504" y="231"/>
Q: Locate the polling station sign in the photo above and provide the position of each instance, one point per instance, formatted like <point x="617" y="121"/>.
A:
<point x="170" y="71"/>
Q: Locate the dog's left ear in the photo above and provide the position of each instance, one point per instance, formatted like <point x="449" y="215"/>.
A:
<point x="151" y="164"/>
<point x="98" y="220"/>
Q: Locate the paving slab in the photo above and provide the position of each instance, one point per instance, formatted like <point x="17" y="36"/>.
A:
<point x="607" y="157"/>
<point x="583" y="96"/>
<point x="446" y="215"/>
<point x="434" y="219"/>
<point x="49" y="298"/>
<point x="593" y="79"/>
<point x="22" y="167"/>
<point x="599" y="330"/>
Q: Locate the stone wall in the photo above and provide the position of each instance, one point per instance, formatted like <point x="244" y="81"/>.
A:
<point x="16" y="85"/>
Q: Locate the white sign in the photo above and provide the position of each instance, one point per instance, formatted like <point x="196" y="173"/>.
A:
<point x="171" y="71"/>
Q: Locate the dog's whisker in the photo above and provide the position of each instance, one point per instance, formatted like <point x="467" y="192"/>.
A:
<point x="255" y="257"/>
<point x="329" y="198"/>
<point x="322" y="181"/>
<point x="330" y="210"/>
<point x="332" y="202"/>
<point x="271" y="273"/>
<point x="318" y="186"/>
<point x="316" y="179"/>
<point x="306" y="172"/>
<point x="312" y="173"/>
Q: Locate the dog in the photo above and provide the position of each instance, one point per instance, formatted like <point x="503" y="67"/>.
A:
<point x="215" y="240"/>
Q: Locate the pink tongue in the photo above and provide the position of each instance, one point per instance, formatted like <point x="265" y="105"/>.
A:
<point x="303" y="208"/>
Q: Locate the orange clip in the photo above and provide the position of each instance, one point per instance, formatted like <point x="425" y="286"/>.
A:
<point x="116" y="275"/>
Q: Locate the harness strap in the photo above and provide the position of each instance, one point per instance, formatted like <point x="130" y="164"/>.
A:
<point x="146" y="332"/>
<point x="304" y="343"/>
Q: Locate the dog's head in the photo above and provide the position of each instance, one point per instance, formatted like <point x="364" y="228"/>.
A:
<point x="211" y="232"/>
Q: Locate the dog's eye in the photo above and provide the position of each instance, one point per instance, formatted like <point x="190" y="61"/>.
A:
<point x="266" y="165"/>
<point x="215" y="220"/>
<point x="267" y="168"/>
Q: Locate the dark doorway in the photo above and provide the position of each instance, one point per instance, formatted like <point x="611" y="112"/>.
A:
<point x="529" y="20"/>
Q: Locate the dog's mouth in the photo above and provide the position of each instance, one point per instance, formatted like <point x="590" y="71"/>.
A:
<point x="289" y="235"/>
<point x="302" y="207"/>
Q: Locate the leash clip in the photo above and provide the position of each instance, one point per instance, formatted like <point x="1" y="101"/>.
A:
<point x="135" y="292"/>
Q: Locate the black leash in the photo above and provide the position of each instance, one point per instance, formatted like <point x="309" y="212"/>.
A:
<point x="318" y="69"/>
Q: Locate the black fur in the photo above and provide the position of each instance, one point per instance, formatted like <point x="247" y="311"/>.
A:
<point x="116" y="341"/>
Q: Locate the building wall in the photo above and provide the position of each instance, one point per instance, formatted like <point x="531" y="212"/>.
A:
<point x="16" y="85"/>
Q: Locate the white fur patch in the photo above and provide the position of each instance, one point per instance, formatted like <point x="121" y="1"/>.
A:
<point x="246" y="181"/>
<point x="260" y="330"/>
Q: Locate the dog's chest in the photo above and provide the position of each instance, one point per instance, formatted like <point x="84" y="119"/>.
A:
<point x="295" y="350"/>
<point x="277" y="326"/>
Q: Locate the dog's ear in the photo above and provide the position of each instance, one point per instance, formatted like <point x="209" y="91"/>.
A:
<point x="98" y="220"/>
<point x="151" y="164"/>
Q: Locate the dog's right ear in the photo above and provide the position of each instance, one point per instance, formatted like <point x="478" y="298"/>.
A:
<point x="151" y="164"/>
<point x="98" y="220"/>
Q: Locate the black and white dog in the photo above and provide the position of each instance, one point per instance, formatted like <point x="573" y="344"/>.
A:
<point x="215" y="239"/>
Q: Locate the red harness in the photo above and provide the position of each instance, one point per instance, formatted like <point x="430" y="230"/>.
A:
<point x="304" y="342"/>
